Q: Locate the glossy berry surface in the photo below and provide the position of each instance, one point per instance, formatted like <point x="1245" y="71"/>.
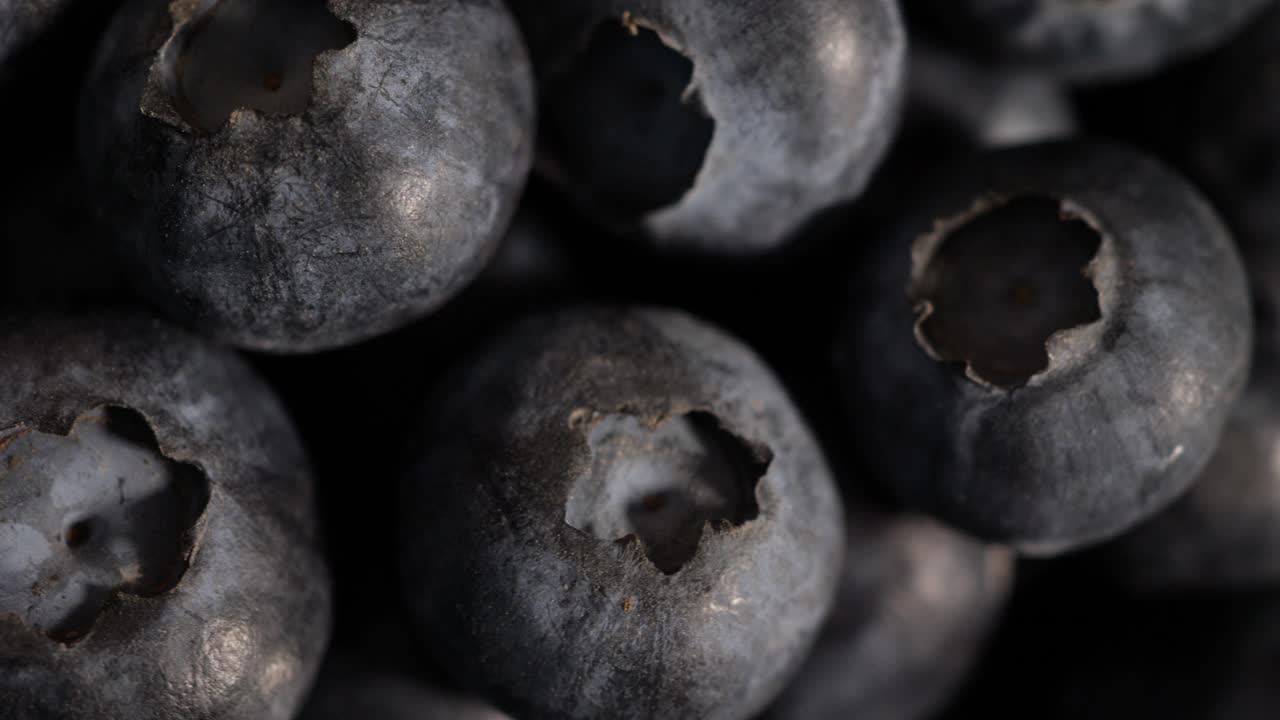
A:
<point x="1072" y="390"/>
<point x="713" y="126"/>
<point x="301" y="195"/>
<point x="654" y="532"/>
<point x="158" y="542"/>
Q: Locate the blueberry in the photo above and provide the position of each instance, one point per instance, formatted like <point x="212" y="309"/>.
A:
<point x="1088" y="40"/>
<point x="290" y="177"/>
<point x="618" y="513"/>
<point x="715" y="126"/>
<point x="1225" y="532"/>
<point x="158" y="541"/>
<point x="915" y="605"/>
<point x="1047" y="348"/>
<point x="351" y="686"/>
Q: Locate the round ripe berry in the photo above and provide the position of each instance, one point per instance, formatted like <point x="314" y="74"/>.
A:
<point x="650" y="530"/>
<point x="158" y="541"/>
<point x="293" y="176"/>
<point x="1045" y="351"/>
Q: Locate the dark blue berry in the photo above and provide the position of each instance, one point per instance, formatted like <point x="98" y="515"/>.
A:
<point x="618" y="513"/>
<point x="1046" y="349"/>
<point x="158" y="540"/>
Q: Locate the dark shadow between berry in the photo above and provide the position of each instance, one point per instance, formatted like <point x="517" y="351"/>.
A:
<point x="998" y="284"/>
<point x="91" y="514"/>
<point x="245" y="54"/>
<point x="623" y="120"/>
<point x="664" y="486"/>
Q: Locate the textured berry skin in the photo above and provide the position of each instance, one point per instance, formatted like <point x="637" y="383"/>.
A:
<point x="23" y="21"/>
<point x="915" y="605"/>
<point x="1092" y="41"/>
<point x="804" y="99"/>
<point x="242" y="631"/>
<point x="293" y="233"/>
<point x="1225" y="532"/>
<point x="1130" y="406"/>
<point x="553" y="621"/>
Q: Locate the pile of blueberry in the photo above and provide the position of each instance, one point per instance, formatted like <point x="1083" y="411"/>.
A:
<point x="869" y="359"/>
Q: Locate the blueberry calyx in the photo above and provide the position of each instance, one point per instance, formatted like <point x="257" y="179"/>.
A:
<point x="229" y="56"/>
<point x="90" y="515"/>
<point x="634" y="78"/>
<point x="664" y="484"/>
<point x="999" y="285"/>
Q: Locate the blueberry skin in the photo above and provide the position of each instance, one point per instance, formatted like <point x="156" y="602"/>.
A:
<point x="550" y="621"/>
<point x="1092" y="41"/>
<point x="371" y="208"/>
<point x="23" y="21"/>
<point x="1225" y="532"/>
<point x="804" y="98"/>
<point x="348" y="687"/>
<point x="915" y="605"/>
<point x="242" y="632"/>
<point x="1130" y="407"/>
